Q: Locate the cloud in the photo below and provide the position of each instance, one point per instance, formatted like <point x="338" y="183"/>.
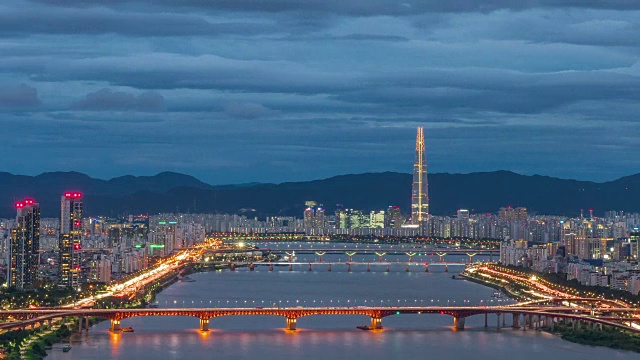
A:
<point x="246" y="110"/>
<point x="21" y="96"/>
<point x="108" y="100"/>
<point x="93" y="21"/>
<point x="361" y="7"/>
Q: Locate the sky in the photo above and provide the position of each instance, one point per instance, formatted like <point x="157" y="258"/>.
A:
<point x="236" y="91"/>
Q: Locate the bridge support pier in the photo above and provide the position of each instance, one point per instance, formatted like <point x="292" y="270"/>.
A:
<point x="388" y="268"/>
<point x="406" y="269"/>
<point x="291" y="323"/>
<point x="498" y="321"/>
<point x="80" y="321"/>
<point x="504" y="320"/>
<point x="204" y="324"/>
<point x="251" y="267"/>
<point x="86" y="323"/>
<point x="446" y="268"/>
<point x="329" y="268"/>
<point x="233" y="267"/>
<point x="486" y="317"/>
<point x="270" y="267"/>
<point x="349" y="267"/>
<point x="115" y="325"/>
<point x="458" y="323"/>
<point x="309" y="266"/>
<point x="368" y="267"/>
<point x="515" y="321"/>
<point x="376" y="323"/>
<point x="290" y="267"/>
<point x="426" y="267"/>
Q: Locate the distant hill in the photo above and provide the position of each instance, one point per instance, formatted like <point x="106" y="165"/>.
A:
<point x="172" y="192"/>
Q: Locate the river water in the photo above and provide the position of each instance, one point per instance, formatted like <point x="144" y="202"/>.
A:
<point x="326" y="337"/>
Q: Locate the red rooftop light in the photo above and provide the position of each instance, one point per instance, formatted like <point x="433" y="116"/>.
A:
<point x="72" y="195"/>
<point x="28" y="201"/>
<point x="19" y="205"/>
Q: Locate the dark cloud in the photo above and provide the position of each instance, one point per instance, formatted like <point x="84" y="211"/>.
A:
<point x="247" y="110"/>
<point x="299" y="89"/>
<point x="104" y="21"/>
<point x="364" y="7"/>
<point x="21" y="96"/>
<point x="108" y="100"/>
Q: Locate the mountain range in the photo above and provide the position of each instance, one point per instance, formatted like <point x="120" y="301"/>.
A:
<point x="174" y="192"/>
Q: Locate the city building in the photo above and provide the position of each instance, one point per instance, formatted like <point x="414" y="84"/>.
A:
<point x="24" y="246"/>
<point x="420" y="187"/>
<point x="393" y="217"/>
<point x="70" y="240"/>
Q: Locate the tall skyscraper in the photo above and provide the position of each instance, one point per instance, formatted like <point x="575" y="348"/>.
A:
<point x="320" y="218"/>
<point x="22" y="270"/>
<point x="309" y="215"/>
<point x="70" y="241"/>
<point x="420" y="189"/>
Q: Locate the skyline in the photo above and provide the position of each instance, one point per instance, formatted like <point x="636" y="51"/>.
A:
<point x="238" y="91"/>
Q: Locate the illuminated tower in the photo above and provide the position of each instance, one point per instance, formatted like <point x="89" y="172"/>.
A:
<point x="70" y="242"/>
<point x="420" y="189"/>
<point x="22" y="270"/>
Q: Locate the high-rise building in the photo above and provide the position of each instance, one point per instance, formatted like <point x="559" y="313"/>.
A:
<point x="22" y="270"/>
<point x="463" y="214"/>
<point x="393" y="217"/>
<point x="320" y="218"/>
<point x="309" y="217"/>
<point x="70" y="241"/>
<point x="377" y="219"/>
<point x="420" y="189"/>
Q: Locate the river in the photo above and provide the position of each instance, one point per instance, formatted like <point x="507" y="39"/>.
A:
<point x="326" y="337"/>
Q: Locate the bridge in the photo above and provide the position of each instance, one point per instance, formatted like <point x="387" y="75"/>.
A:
<point x="329" y="265"/>
<point x="532" y="317"/>
<point x="350" y="252"/>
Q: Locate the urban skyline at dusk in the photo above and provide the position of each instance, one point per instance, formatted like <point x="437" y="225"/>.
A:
<point x="296" y="91"/>
<point x="319" y="179"/>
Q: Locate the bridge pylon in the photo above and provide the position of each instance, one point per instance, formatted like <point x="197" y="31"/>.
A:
<point x="350" y="254"/>
<point x="115" y="325"/>
<point x="320" y="253"/>
<point x="441" y="255"/>
<point x="411" y="255"/>
<point x="204" y="324"/>
<point x="380" y="255"/>
<point x="471" y="257"/>
<point x="376" y="322"/>
<point x="291" y="323"/>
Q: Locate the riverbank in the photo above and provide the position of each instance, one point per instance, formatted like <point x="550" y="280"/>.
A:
<point x="605" y="337"/>
<point x="505" y="289"/>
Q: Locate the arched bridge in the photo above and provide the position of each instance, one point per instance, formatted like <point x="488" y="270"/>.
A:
<point x="533" y="316"/>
